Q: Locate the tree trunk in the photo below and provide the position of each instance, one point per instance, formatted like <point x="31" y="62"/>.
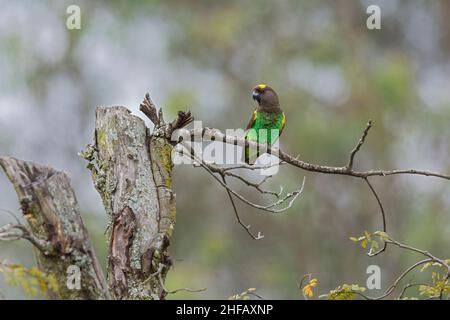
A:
<point x="132" y="171"/>
<point x="60" y="238"/>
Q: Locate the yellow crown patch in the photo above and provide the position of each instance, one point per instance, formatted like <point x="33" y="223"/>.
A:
<point x="262" y="86"/>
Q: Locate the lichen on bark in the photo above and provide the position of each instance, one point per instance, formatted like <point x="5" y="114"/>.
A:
<point x="50" y="206"/>
<point x="132" y="172"/>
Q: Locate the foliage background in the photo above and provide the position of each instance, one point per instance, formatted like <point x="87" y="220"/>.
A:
<point x="332" y="74"/>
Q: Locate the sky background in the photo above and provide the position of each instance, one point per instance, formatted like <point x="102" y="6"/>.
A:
<point x="332" y="74"/>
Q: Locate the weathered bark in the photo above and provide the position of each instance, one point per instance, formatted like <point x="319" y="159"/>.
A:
<point x="132" y="172"/>
<point x="49" y="203"/>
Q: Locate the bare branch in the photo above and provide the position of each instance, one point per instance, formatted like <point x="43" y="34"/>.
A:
<point x="12" y="232"/>
<point x="358" y="146"/>
<point x="157" y="117"/>
<point x="12" y="214"/>
<point x="211" y="169"/>
<point x="182" y="120"/>
<point x="256" y="185"/>
<point x="149" y="109"/>
<point x="406" y="287"/>
<point x="292" y="196"/>
<point x="246" y="227"/>
<point x="383" y="216"/>
<point x="180" y="289"/>
<point x="394" y="285"/>
<point x="159" y="273"/>
<point x="422" y="252"/>
<point x="429" y="258"/>
<point x="442" y="262"/>
<point x="402" y="275"/>
<point x="9" y="233"/>
<point x="217" y="135"/>
<point x="296" y="162"/>
<point x="254" y="167"/>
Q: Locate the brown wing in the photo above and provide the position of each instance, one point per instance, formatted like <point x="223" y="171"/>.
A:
<point x="251" y="121"/>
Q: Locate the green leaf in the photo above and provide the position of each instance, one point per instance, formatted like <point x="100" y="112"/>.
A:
<point x="364" y="243"/>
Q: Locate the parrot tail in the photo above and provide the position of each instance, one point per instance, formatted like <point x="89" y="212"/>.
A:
<point x="250" y="155"/>
<point x="247" y="155"/>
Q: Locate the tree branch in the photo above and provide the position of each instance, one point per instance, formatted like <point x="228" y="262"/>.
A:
<point x="429" y="259"/>
<point x="210" y="134"/>
<point x="238" y="218"/>
<point x="12" y="232"/>
<point x="358" y="146"/>
<point x="132" y="171"/>
<point x="55" y="227"/>
<point x="292" y="196"/>
<point x="383" y="216"/>
<point x="295" y="161"/>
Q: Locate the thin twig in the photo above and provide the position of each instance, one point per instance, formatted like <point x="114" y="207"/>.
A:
<point x="12" y="232"/>
<point x="359" y="145"/>
<point x="269" y="208"/>
<point x="296" y="162"/>
<point x="246" y="227"/>
<point x="383" y="217"/>
<point x="176" y="290"/>
<point x="423" y="252"/>
<point x="211" y="169"/>
<point x="12" y="214"/>
<point x="158" y="274"/>
<point x="254" y="167"/>
<point x="292" y="196"/>
<point x="149" y="109"/>
<point x="402" y="275"/>
<point x="406" y="287"/>
<point x="255" y="185"/>
<point x="430" y="258"/>
<point x="394" y="284"/>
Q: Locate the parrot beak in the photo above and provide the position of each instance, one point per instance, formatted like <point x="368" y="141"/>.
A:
<point x="256" y="96"/>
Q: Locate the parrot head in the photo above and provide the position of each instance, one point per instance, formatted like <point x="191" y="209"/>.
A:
<point x="266" y="97"/>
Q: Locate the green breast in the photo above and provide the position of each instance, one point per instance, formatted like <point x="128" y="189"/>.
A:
<point x="267" y="121"/>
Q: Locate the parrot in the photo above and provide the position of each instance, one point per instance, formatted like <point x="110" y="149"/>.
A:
<point x="267" y="115"/>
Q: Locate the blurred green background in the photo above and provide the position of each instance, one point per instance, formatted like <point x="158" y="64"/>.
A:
<point x="332" y="75"/>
